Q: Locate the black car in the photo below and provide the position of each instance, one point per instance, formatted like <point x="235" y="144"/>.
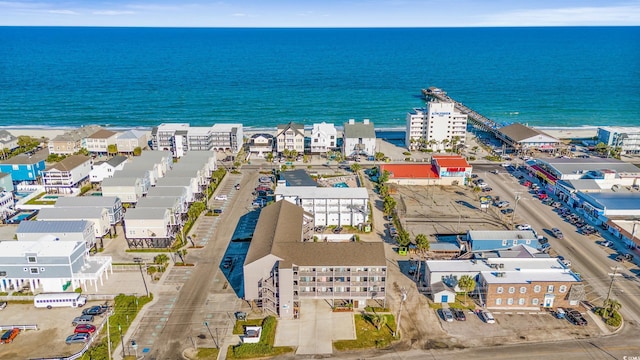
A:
<point x="506" y="211"/>
<point x="95" y="310"/>
<point x="576" y="318"/>
<point x="459" y="315"/>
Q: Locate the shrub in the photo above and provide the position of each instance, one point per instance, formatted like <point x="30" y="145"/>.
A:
<point x="615" y="320"/>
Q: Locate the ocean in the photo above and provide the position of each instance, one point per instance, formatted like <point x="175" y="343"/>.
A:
<point x="141" y="77"/>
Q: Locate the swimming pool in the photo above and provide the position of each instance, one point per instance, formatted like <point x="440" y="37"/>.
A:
<point x="22" y="215"/>
<point x="50" y="197"/>
<point x="341" y="185"/>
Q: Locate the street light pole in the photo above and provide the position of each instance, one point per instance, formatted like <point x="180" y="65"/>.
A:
<point x="122" y="340"/>
<point x="515" y="207"/>
<point x="215" y="339"/>
<point x="138" y="261"/>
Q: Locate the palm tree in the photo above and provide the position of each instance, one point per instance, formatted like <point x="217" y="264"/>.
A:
<point x="423" y="245"/>
<point x="612" y="306"/>
<point x="378" y="320"/>
<point x="404" y="238"/>
<point x="269" y="157"/>
<point x="466" y="284"/>
<point x="355" y="167"/>
<point x="389" y="204"/>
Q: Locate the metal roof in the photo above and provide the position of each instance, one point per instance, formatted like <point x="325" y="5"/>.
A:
<point x="359" y="130"/>
<point x="174" y="181"/>
<point x="71" y="213"/>
<point x="43" y="248"/>
<point x="146" y="214"/>
<point x="158" y="202"/>
<point x="180" y="191"/>
<point x="298" y="177"/>
<point x="322" y="192"/>
<point x="613" y="200"/>
<point x="53" y="227"/>
<point x="120" y="181"/>
<point x="491" y="235"/>
<point x="82" y="201"/>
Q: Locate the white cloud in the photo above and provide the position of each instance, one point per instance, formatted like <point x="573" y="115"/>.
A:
<point x="63" y="12"/>
<point x="113" y="12"/>
<point x="22" y="5"/>
<point x="606" y="15"/>
<point x="239" y="14"/>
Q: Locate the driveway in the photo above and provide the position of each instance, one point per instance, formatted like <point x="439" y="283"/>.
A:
<point x="316" y="329"/>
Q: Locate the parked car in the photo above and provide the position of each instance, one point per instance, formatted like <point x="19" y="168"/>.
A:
<point x="459" y="315"/>
<point x="237" y="186"/>
<point x="221" y="197"/>
<point x="217" y="211"/>
<point x="559" y="313"/>
<point x="557" y="233"/>
<point x="9" y="335"/>
<point x="226" y="263"/>
<point x="447" y="315"/>
<point x="487" y="189"/>
<point x="84" y="328"/>
<point x="487" y="317"/>
<point x="575" y="317"/>
<point x="95" y="310"/>
<point x="77" y="338"/>
<point x="502" y="204"/>
<point x="606" y="243"/>
<point x="507" y="211"/>
<point x="3" y="304"/>
<point x="523" y="227"/>
<point x="84" y="319"/>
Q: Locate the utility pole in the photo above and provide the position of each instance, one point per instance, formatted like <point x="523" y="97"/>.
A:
<point x="403" y="298"/>
<point x="108" y="335"/>
<point x="515" y="207"/>
<point x="138" y="261"/>
<point x="613" y="278"/>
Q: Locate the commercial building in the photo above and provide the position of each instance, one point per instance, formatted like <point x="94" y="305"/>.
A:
<point x="436" y="127"/>
<point x="487" y="240"/>
<point x="510" y="283"/>
<point x="443" y="170"/>
<point x="359" y="138"/>
<point x="227" y="137"/>
<point x="625" y="138"/>
<point x="522" y="137"/>
<point x="283" y="266"/>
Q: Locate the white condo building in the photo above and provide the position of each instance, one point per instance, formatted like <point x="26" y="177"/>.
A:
<point x="435" y="126"/>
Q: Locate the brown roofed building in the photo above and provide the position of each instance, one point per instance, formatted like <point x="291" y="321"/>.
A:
<point x="68" y="175"/>
<point x="99" y="141"/>
<point x="71" y="141"/>
<point x="283" y="266"/>
<point x="520" y="136"/>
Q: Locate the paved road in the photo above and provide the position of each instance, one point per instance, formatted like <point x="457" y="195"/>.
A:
<point x="206" y="289"/>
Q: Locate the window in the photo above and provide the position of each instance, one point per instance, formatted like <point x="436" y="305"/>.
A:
<point x="34" y="271"/>
<point x="563" y="288"/>
<point x="3" y="273"/>
<point x="537" y="288"/>
<point x="550" y="288"/>
<point x="498" y="301"/>
<point x="500" y="290"/>
<point x="512" y="289"/>
<point x="510" y="301"/>
<point x="523" y="290"/>
<point x="521" y="301"/>
<point x="504" y="242"/>
<point x="534" y="301"/>
<point x="31" y="259"/>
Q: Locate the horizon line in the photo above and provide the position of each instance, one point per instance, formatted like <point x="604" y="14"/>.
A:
<point x="324" y="27"/>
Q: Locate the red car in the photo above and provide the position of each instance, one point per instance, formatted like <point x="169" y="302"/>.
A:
<point x="84" y="328"/>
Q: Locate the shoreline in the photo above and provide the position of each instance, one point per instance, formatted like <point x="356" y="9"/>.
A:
<point x="560" y="132"/>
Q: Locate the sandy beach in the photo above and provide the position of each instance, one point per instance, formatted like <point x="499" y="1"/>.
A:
<point x="37" y="133"/>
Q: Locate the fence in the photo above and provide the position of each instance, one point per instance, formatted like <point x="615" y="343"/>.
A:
<point x="21" y="327"/>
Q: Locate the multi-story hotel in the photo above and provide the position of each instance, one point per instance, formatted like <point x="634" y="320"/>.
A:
<point x="436" y="127"/>
<point x="284" y="266"/>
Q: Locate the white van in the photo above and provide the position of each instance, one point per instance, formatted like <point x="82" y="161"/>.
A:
<point x="49" y="301"/>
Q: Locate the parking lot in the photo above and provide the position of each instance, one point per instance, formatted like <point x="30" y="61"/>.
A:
<point x="54" y="325"/>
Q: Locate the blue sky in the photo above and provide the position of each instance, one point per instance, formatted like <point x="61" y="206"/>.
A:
<point x="320" y="13"/>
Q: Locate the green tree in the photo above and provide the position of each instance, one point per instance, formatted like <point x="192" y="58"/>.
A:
<point x="195" y="210"/>
<point x="404" y="239"/>
<point x="355" y="167"/>
<point x="384" y="177"/>
<point x="112" y="149"/>
<point x="305" y="158"/>
<point x="467" y="284"/>
<point x="160" y="259"/>
<point x="601" y="148"/>
<point x="379" y="156"/>
<point x="378" y="320"/>
<point x="286" y="153"/>
<point x="82" y="151"/>
<point x="269" y="157"/>
<point x="4" y="153"/>
<point x="383" y="190"/>
<point x="137" y="151"/>
<point x="422" y="242"/>
<point x="612" y="306"/>
<point x="389" y="204"/>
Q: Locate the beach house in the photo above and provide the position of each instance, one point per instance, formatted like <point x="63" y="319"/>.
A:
<point x="324" y="137"/>
<point x="359" y="138"/>
<point x="68" y="175"/>
<point x="64" y="230"/>
<point x="290" y="137"/>
<point x="8" y="141"/>
<point x="24" y="168"/>
<point x="149" y="227"/>
<point x="107" y="168"/>
<point x="129" y="140"/>
<point x="71" y="141"/>
<point x="98" y="142"/>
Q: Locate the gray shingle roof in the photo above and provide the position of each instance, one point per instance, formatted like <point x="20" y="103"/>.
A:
<point x="117" y="160"/>
<point x="69" y="163"/>
<point x="81" y="201"/>
<point x="518" y="132"/>
<point x="146" y="214"/>
<point x="71" y="213"/>
<point x="359" y="130"/>
<point x="52" y="227"/>
<point x="180" y="191"/>
<point x="120" y="181"/>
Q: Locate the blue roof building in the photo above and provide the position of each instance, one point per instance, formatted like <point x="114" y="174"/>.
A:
<point x="481" y="240"/>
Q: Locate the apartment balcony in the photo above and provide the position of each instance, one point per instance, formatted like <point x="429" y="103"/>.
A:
<point x="324" y="283"/>
<point x="342" y="273"/>
<point x="307" y="283"/>
<point x="307" y="273"/>
<point x="359" y="294"/>
<point x="360" y="273"/>
<point x="359" y="283"/>
<point x="324" y="273"/>
<point x="377" y="273"/>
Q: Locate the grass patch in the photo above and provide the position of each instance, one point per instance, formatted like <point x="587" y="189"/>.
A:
<point x="367" y="336"/>
<point x="148" y="250"/>
<point x="264" y="348"/>
<point x="238" y="328"/>
<point x="207" y="353"/>
<point x="126" y="307"/>
<point x="376" y="309"/>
